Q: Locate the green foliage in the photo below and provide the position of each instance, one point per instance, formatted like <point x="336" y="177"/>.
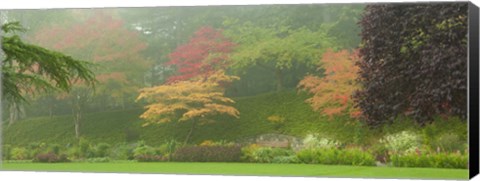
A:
<point x="400" y="142"/>
<point x="267" y="155"/>
<point x="278" y="49"/>
<point x="20" y="153"/>
<point x="107" y="126"/>
<point x="143" y="149"/>
<point x="449" y="142"/>
<point x="30" y="68"/>
<point x="54" y="148"/>
<point x="286" y="159"/>
<point x="353" y="156"/>
<point x="85" y="148"/>
<point x="308" y="155"/>
<point x="122" y="152"/>
<point x="101" y="149"/>
<point x="37" y="148"/>
<point x="313" y="141"/>
<point x="434" y="160"/>
<point x="380" y="151"/>
<point x="442" y="126"/>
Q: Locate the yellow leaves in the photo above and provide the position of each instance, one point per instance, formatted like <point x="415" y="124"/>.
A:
<point x="186" y="100"/>
<point x="332" y="92"/>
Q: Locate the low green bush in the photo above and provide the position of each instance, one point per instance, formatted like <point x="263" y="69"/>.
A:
<point x="332" y="156"/>
<point x="441" y="126"/>
<point x="20" y="153"/>
<point x="433" y="160"/>
<point x="84" y="149"/>
<point x="267" y="155"/>
<point x="122" y="152"/>
<point x="54" y="148"/>
<point x="286" y="159"/>
<point x="380" y="152"/>
<point x="449" y="142"/>
<point x="309" y="155"/>
<point x="34" y="149"/>
<point x="143" y="149"/>
<point x="312" y="141"/>
<point x="101" y="150"/>
<point x="400" y="142"/>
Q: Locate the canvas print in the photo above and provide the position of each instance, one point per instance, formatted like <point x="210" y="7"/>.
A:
<point x="317" y="90"/>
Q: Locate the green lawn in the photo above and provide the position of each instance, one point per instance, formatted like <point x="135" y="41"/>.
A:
<point x="245" y="169"/>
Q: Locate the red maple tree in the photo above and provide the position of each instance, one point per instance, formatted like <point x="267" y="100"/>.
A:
<point x="206" y="52"/>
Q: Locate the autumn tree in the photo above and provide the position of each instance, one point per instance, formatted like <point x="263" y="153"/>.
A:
<point x="206" y="52"/>
<point x="332" y="92"/>
<point x="196" y="100"/>
<point x="29" y="69"/>
<point x="105" y="40"/>
<point x="414" y="61"/>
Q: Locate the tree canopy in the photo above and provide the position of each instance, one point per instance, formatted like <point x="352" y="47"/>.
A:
<point x="29" y="68"/>
<point x="414" y="61"/>
<point x="332" y="92"/>
<point x="195" y="100"/>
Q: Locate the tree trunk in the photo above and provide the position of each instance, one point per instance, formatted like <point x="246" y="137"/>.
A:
<point x="279" y="76"/>
<point x="15" y="113"/>
<point x="190" y="132"/>
<point x="77" y="117"/>
<point x="77" y="125"/>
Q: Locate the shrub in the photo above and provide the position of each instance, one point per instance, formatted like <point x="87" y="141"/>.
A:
<point x="434" y="160"/>
<point x="332" y="156"/>
<point x="309" y="155"/>
<point x="449" y="142"/>
<point x="54" y="148"/>
<point x="356" y="156"/>
<point x="50" y="158"/>
<point x="442" y="126"/>
<point x="400" y="142"/>
<point x="208" y="154"/>
<point x="101" y="150"/>
<point x="380" y="152"/>
<point x="85" y="149"/>
<point x="285" y="159"/>
<point x="313" y="141"/>
<point x="122" y="152"/>
<point x="34" y="149"/>
<point x="248" y="152"/>
<point x="143" y="149"/>
<point x="267" y="154"/>
<point x="20" y="153"/>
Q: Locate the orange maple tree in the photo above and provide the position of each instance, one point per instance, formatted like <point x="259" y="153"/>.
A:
<point x="332" y="92"/>
<point x="195" y="100"/>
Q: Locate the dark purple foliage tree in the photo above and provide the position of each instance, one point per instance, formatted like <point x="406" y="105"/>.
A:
<point x="414" y="62"/>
